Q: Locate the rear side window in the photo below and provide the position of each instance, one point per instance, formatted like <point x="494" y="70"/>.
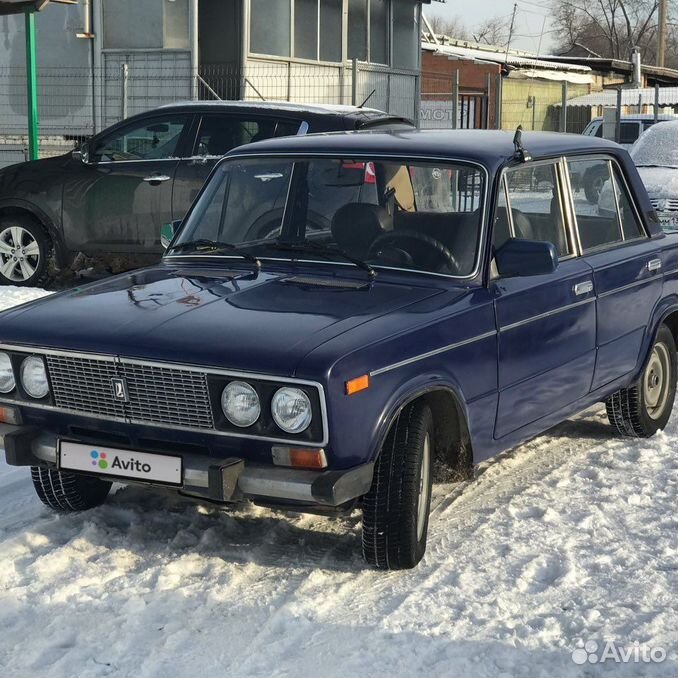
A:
<point x="629" y="132"/>
<point x="602" y="206"/>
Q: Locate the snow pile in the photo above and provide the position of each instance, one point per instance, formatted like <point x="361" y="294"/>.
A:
<point x="12" y="296"/>
<point x="571" y="538"/>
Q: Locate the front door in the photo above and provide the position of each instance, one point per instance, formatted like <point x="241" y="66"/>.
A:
<point x="627" y="269"/>
<point x="119" y="199"/>
<point x="547" y="323"/>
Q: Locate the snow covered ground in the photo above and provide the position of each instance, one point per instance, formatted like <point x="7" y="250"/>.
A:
<point x="571" y="538"/>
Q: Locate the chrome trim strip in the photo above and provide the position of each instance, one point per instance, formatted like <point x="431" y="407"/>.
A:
<point x="430" y="354"/>
<point x="207" y="370"/>
<point x="635" y="283"/>
<point x="671" y="271"/>
<point x="548" y="314"/>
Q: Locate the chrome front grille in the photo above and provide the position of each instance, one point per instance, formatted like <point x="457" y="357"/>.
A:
<point x="665" y="205"/>
<point x="84" y="385"/>
<point x="156" y="394"/>
<point x="165" y="395"/>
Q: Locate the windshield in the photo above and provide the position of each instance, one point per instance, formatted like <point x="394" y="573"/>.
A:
<point x="381" y="213"/>
<point x="658" y="147"/>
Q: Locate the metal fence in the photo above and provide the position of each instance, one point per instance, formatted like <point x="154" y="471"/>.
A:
<point x="74" y="104"/>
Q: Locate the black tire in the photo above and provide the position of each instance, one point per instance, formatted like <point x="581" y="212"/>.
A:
<point x="63" y="491"/>
<point x="394" y="528"/>
<point x="25" y="251"/>
<point x="645" y="407"/>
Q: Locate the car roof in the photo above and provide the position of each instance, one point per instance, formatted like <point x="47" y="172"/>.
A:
<point x="341" y="110"/>
<point x="641" y="117"/>
<point x="483" y="146"/>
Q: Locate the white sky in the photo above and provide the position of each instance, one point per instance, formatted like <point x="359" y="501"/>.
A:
<point x="528" y="26"/>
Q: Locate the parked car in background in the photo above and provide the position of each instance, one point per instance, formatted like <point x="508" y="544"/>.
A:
<point x="631" y="128"/>
<point x="112" y="195"/>
<point x="656" y="157"/>
<point x="475" y="303"/>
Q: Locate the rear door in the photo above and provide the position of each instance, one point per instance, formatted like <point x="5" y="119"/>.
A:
<point x="626" y="265"/>
<point x="119" y="199"/>
<point x="546" y="323"/>
<point x="214" y="135"/>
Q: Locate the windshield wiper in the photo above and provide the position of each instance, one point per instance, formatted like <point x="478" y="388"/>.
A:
<point x="206" y="245"/>
<point x="324" y="251"/>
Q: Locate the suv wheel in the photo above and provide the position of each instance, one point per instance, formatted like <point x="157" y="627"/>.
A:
<point x="396" y="509"/>
<point x="645" y="407"/>
<point x="24" y="252"/>
<point x="68" y="492"/>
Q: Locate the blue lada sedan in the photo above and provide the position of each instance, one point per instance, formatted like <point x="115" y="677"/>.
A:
<point x="462" y="296"/>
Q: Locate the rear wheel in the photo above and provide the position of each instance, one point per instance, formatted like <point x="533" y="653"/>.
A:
<point x="68" y="492"/>
<point x="645" y="407"/>
<point x="396" y="509"/>
<point x="25" y="249"/>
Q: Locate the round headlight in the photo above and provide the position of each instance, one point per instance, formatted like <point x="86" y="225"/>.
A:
<point x="7" y="382"/>
<point x="34" y="377"/>
<point x="240" y="404"/>
<point x="291" y="410"/>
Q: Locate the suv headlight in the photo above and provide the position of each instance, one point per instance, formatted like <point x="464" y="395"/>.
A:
<point x="291" y="410"/>
<point x="7" y="382"/>
<point x="240" y="403"/>
<point x="34" y="377"/>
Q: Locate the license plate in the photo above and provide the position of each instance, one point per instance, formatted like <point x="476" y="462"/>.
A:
<point x="154" y="468"/>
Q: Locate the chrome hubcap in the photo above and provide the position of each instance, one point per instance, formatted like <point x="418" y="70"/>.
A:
<point x="424" y="488"/>
<point x="656" y="381"/>
<point x="19" y="254"/>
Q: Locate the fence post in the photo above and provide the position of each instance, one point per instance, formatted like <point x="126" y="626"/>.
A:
<point x="32" y="78"/>
<point x="455" y="99"/>
<point x="617" y="128"/>
<point x="124" y="75"/>
<point x="488" y="86"/>
<point x="417" y="100"/>
<point x="656" y="102"/>
<point x="498" y="95"/>
<point x="563" y="108"/>
<point x="354" y="82"/>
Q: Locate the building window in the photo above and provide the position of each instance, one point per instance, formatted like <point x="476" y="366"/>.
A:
<point x="405" y="18"/>
<point x="368" y="30"/>
<point x="153" y="24"/>
<point x="330" y="30"/>
<point x="270" y="27"/>
<point x="317" y="29"/>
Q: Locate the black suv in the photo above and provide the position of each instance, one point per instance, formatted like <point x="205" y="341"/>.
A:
<point x="113" y="195"/>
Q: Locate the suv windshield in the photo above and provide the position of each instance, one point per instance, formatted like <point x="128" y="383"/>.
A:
<point x="380" y="213"/>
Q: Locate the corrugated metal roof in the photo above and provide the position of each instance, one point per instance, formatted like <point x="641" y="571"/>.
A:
<point x="668" y="96"/>
<point x="19" y="6"/>
<point x="498" y="57"/>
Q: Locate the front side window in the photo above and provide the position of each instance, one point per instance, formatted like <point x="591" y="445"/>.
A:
<point x="536" y="209"/>
<point x="605" y="217"/>
<point x="156" y="139"/>
<point x="397" y="214"/>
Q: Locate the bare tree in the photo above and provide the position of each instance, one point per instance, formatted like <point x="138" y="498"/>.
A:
<point x="610" y="29"/>
<point x="452" y="27"/>
<point x="492" y="31"/>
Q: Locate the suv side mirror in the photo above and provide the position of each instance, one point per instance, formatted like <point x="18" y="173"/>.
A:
<point x="81" y="153"/>
<point x="167" y="233"/>
<point x="517" y="257"/>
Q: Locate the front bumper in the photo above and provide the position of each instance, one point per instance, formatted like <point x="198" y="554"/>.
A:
<point x="220" y="480"/>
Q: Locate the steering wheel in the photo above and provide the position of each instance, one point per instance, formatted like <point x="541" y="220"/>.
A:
<point x="424" y="246"/>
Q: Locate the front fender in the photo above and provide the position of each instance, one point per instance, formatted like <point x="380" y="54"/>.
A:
<point x="664" y="308"/>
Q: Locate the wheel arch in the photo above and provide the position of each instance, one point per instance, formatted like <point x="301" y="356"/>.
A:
<point x="450" y="419"/>
<point x="666" y="313"/>
<point x="25" y="208"/>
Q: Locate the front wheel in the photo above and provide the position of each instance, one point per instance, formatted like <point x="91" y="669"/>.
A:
<point x="24" y="252"/>
<point x="645" y="407"/>
<point x="69" y="492"/>
<point x="396" y="509"/>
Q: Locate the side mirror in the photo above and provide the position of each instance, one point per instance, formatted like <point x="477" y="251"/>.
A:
<point x="81" y="153"/>
<point x="167" y="233"/>
<point x="517" y="257"/>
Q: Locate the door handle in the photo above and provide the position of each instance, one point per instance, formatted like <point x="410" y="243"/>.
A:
<point x="583" y="288"/>
<point x="654" y="265"/>
<point x="157" y="179"/>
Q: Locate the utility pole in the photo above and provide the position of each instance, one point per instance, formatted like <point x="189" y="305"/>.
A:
<point x="510" y="35"/>
<point x="661" y="32"/>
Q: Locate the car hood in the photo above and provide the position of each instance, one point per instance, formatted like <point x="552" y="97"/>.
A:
<point x="255" y="322"/>
<point x="660" y="182"/>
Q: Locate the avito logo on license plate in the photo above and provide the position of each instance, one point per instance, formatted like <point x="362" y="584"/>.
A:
<point x="157" y="468"/>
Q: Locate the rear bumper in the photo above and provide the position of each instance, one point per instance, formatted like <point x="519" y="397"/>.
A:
<point x="220" y="480"/>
